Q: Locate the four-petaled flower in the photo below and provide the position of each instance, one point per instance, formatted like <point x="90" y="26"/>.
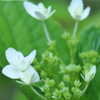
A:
<point x="38" y="11"/>
<point x="77" y="11"/>
<point x="20" y="67"/>
<point x="89" y="74"/>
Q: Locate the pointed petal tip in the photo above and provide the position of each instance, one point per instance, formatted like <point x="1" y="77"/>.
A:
<point x="94" y="68"/>
<point x="51" y="13"/>
<point x="54" y="11"/>
<point x="86" y="13"/>
<point x="8" y="50"/>
<point x="34" y="52"/>
<point x="25" y="3"/>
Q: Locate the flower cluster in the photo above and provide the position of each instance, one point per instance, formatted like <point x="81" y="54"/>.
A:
<point x="60" y="81"/>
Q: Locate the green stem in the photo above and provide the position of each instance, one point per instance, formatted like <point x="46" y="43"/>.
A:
<point x="72" y="55"/>
<point x="34" y="91"/>
<point x="75" y="29"/>
<point x="46" y="32"/>
<point x="74" y="46"/>
<point x="84" y="90"/>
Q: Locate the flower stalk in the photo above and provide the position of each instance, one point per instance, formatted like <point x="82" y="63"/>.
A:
<point x="34" y="91"/>
<point x="75" y="29"/>
<point x="85" y="88"/>
<point x="46" y="32"/>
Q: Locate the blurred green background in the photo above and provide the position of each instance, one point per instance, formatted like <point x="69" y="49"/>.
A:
<point x="14" y="19"/>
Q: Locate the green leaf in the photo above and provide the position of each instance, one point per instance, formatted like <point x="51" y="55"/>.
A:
<point x="90" y="39"/>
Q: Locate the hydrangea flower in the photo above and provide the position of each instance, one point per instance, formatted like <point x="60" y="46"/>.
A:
<point x="89" y="74"/>
<point x="20" y="67"/>
<point x="77" y="11"/>
<point x="38" y="11"/>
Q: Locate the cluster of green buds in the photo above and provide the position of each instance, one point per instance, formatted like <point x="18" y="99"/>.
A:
<point x="61" y="81"/>
<point x="89" y="57"/>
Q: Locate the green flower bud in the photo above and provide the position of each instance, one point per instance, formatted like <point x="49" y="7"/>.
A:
<point x="38" y="67"/>
<point x="46" y="88"/>
<point x="77" y="83"/>
<point x="43" y="74"/>
<point x="73" y="68"/>
<point x="57" y="94"/>
<point x="50" y="83"/>
<point x="76" y="91"/>
<point x="50" y="58"/>
<point x="66" y="78"/>
<point x="61" y="85"/>
<point x="67" y="95"/>
<point x="66" y="36"/>
<point x="89" y="57"/>
<point x="47" y="94"/>
<point x="62" y="69"/>
<point x="72" y="43"/>
<point x="52" y="46"/>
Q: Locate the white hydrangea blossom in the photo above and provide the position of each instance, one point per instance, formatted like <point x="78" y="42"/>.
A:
<point x="38" y="11"/>
<point x="20" y="67"/>
<point x="77" y="11"/>
<point x="89" y="74"/>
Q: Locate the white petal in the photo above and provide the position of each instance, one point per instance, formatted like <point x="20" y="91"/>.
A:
<point x="85" y="13"/>
<point x="31" y="9"/>
<point x="75" y="4"/>
<point x="45" y="13"/>
<point x="41" y="6"/>
<point x="49" y="9"/>
<point x="89" y="74"/>
<point x="14" y="57"/>
<point x="30" y="58"/>
<point x="29" y="75"/>
<point x="25" y="64"/>
<point x="75" y="8"/>
<point x="11" y="72"/>
<point x="35" y="77"/>
<point x="42" y="9"/>
<point x="92" y="71"/>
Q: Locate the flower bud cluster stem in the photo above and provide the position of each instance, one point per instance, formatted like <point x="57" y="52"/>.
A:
<point x="46" y="32"/>
<point x="74" y="37"/>
<point x="75" y="29"/>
